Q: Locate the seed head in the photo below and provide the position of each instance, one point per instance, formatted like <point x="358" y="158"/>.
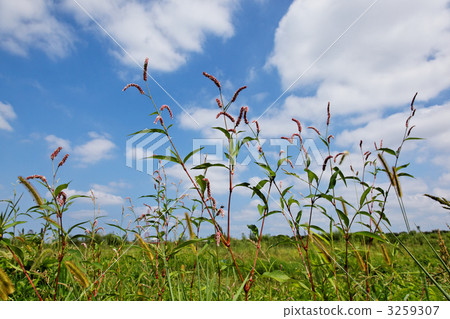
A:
<point x="62" y="198"/>
<point x="42" y="178"/>
<point x="290" y="140"/>
<point x="212" y="78"/>
<point x="63" y="160"/>
<point x="134" y="85"/>
<point x="328" y="114"/>
<point x="218" y="238"/>
<point x="55" y="153"/>
<point x="313" y="128"/>
<point x="324" y="166"/>
<point x="237" y="93"/>
<point x="245" y="115"/>
<point x="219" y="103"/>
<point x="241" y="113"/>
<point x="208" y="189"/>
<point x="145" y="69"/>
<point x="298" y="125"/>
<point x="168" y="109"/>
<point x="159" y="118"/>
<point x="257" y="126"/>
<point x="225" y="114"/>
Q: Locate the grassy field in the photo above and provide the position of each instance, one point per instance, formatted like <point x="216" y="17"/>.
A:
<point x="123" y="271"/>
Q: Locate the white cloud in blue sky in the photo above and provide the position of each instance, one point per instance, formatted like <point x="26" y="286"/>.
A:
<point x="167" y="31"/>
<point x="369" y="73"/>
<point x="26" y="25"/>
<point x="6" y="114"/>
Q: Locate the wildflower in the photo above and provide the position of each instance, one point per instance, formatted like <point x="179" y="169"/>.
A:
<point x="237" y="93"/>
<point x="134" y="85"/>
<point x="259" y="149"/>
<point x="245" y="115"/>
<point x="168" y="109"/>
<point x="219" y="103"/>
<point x="232" y="130"/>
<point x="62" y="198"/>
<point x="87" y="231"/>
<point x="298" y="125"/>
<point x="290" y="140"/>
<point x="42" y="178"/>
<point x="324" y="166"/>
<point x="212" y="78"/>
<point x="159" y="118"/>
<point x="329" y="138"/>
<point x="208" y="188"/>
<point x="240" y="116"/>
<point x="95" y="223"/>
<point x="313" y="128"/>
<point x="328" y="114"/>
<point x="257" y="126"/>
<point x="63" y="160"/>
<point x="218" y="238"/>
<point x="145" y="69"/>
<point x="290" y="163"/>
<point x="84" y="245"/>
<point x="55" y="153"/>
<point x="220" y="212"/>
<point x="227" y="115"/>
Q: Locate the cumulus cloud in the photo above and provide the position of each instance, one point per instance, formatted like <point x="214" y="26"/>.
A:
<point x="104" y="194"/>
<point x="55" y="142"/>
<point x="95" y="150"/>
<point x="165" y="31"/>
<point x="394" y="50"/>
<point x="6" y="114"/>
<point x="98" y="148"/>
<point x="26" y="24"/>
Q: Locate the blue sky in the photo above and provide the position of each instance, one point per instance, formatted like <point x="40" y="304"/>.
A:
<point x="63" y="65"/>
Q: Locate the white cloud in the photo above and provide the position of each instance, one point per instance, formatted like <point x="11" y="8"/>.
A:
<point x="98" y="148"/>
<point x="396" y="49"/>
<point x="55" y="142"/>
<point x="6" y="114"/>
<point x="26" y="24"/>
<point x="95" y="150"/>
<point x="104" y="194"/>
<point x="165" y="31"/>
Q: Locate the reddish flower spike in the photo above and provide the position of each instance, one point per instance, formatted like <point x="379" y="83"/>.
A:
<point x="63" y="160"/>
<point x="133" y="85"/>
<point x="237" y="93"/>
<point x="212" y="78"/>
<point x="298" y="124"/>
<point x="145" y="69"/>
<point x="168" y="109"/>
<point x="55" y="153"/>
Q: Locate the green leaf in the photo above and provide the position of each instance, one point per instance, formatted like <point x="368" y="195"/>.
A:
<point x="277" y="275"/>
<point x="413" y="138"/>
<point x="363" y="196"/>
<point x="165" y="158"/>
<point x="207" y="165"/>
<point x="60" y="188"/>
<point x="388" y="150"/>
<point x="254" y="230"/>
<point x="201" y="183"/>
<point x="370" y="235"/>
<point x="184" y="244"/>
<point x="192" y="153"/>
<point x="332" y="183"/>
<point x="149" y="130"/>
<point x="311" y="176"/>
<point x="343" y="217"/>
<point x="224" y="131"/>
